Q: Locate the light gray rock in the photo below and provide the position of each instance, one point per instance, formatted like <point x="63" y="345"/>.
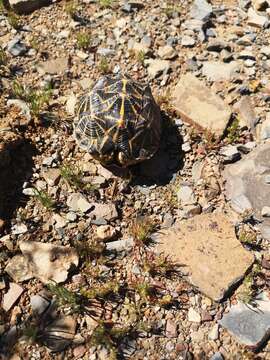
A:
<point x="217" y="356"/>
<point x="249" y="325"/>
<point x="60" y="333"/>
<point x="19" y="229"/>
<point x="27" y="6"/>
<point x="256" y="20"/>
<point x="201" y="107"/>
<point x="167" y="52"/>
<point x="157" y="67"/>
<point x="78" y="203"/>
<point x="193" y="315"/>
<point x="120" y="245"/>
<point x="230" y="154"/>
<point x="214" y="333"/>
<point x="187" y="41"/>
<point x="16" y="47"/>
<point x="219" y="71"/>
<point x="201" y="10"/>
<point x="13" y="294"/>
<point x="107" y="212"/>
<point x="245" y="182"/>
<point x="52" y="176"/>
<point x="186" y="195"/>
<point x="49" y="262"/>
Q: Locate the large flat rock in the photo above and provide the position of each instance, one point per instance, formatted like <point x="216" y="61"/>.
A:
<point x="27" y="6"/>
<point x="200" y="106"/>
<point x="250" y="325"/>
<point x="248" y="185"/>
<point x="209" y="252"/>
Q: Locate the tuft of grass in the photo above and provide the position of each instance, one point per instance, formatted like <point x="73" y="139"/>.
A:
<point x="89" y="249"/>
<point x="101" y="291"/>
<point x="164" y="101"/>
<point x="31" y="333"/>
<point x="13" y="20"/>
<point x="103" y="66"/>
<point x="83" y="40"/>
<point x="170" y="9"/>
<point x="72" y="175"/>
<point x="141" y="57"/>
<point x="144" y="290"/>
<point x="105" y="4"/>
<point x="159" y="265"/>
<point x="71" y="8"/>
<point x="141" y="231"/>
<point x="44" y="198"/>
<point x="34" y="43"/>
<point x="37" y="99"/>
<point x="248" y="290"/>
<point x="247" y="237"/>
<point x="65" y="297"/>
<point x="233" y="131"/>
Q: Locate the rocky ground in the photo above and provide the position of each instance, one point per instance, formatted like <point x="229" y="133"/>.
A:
<point x="170" y="259"/>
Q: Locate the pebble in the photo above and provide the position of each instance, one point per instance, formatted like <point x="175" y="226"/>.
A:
<point x="16" y="47"/>
<point x="230" y="154"/>
<point x="193" y="315"/>
<point x="11" y="297"/>
<point x="78" y="203"/>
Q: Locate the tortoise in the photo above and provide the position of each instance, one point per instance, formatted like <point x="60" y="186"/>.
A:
<point x="118" y="121"/>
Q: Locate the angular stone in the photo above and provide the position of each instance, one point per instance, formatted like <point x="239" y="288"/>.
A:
<point x="78" y="203"/>
<point x="39" y="303"/>
<point x="18" y="269"/>
<point x="106" y="232"/>
<point x="49" y="262"/>
<point x="219" y="71"/>
<point x="16" y="48"/>
<point x="55" y="66"/>
<point x="157" y="67"/>
<point x="171" y="328"/>
<point x="201" y="10"/>
<point x="166" y="52"/>
<point x="52" y="176"/>
<point x="60" y="333"/>
<point x="246" y="187"/>
<point x="13" y="294"/>
<point x="193" y="315"/>
<point x="209" y="252"/>
<point x="186" y="195"/>
<point x="27" y="6"/>
<point x="230" y="153"/>
<point x="198" y="105"/>
<point x="104" y="211"/>
<point x="246" y="113"/>
<point x="250" y="325"/>
<point x="256" y="20"/>
<point x="25" y="114"/>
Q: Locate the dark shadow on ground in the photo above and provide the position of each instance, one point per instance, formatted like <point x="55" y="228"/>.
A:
<point x="16" y="167"/>
<point x="160" y="169"/>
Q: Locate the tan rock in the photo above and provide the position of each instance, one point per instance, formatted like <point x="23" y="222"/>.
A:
<point x="198" y="105"/>
<point x="49" y="262"/>
<point x="106" y="232"/>
<point x="52" y="176"/>
<point x="54" y="66"/>
<point x="18" y="269"/>
<point x="209" y="252"/>
<point x="13" y="294"/>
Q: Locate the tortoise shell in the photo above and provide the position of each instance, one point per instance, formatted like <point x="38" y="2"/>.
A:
<point x="118" y="121"/>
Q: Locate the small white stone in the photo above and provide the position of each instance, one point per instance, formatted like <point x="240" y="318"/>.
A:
<point x="266" y="211"/>
<point x="194" y="316"/>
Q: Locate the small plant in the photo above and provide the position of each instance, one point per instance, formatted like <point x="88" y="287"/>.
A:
<point x="158" y="265"/>
<point x="103" y="66"/>
<point x="89" y="249"/>
<point x="44" y="198"/>
<point x="141" y="57"/>
<point x="164" y="101"/>
<point x="247" y="237"/>
<point x="105" y="4"/>
<point x="37" y="100"/>
<point x="83" y="40"/>
<point x="144" y="290"/>
<point x="248" y="290"/>
<point x="141" y="231"/>
<point x="30" y="332"/>
<point x="233" y="131"/>
<point x="170" y="9"/>
<point x="72" y="175"/>
<point x="65" y="297"/>
<point x="13" y="20"/>
<point x="101" y="291"/>
<point x="34" y="43"/>
<point x="71" y="8"/>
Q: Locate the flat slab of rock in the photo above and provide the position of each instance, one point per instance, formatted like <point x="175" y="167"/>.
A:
<point x="219" y="71"/>
<point x="250" y="325"/>
<point x="18" y="269"/>
<point x="247" y="184"/>
<point x="55" y="66"/>
<point x="209" y="252"/>
<point x="78" y="203"/>
<point x="27" y="6"/>
<point x="13" y="294"/>
<point x="49" y="262"/>
<point x="107" y="212"/>
<point x="198" y="105"/>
